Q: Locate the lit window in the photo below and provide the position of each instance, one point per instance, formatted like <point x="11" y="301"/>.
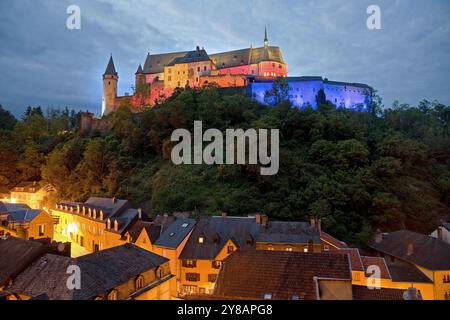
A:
<point x="201" y="240"/>
<point x="295" y="298"/>
<point x="184" y="225"/>
<point x="267" y="296"/>
<point x="326" y="248"/>
<point x="41" y="230"/>
<point x="289" y="249"/>
<point x="172" y="234"/>
<point x="112" y="295"/>
<point x="305" y="250"/>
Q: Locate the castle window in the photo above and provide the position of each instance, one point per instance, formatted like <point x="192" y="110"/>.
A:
<point x="198" y="69"/>
<point x="205" y="68"/>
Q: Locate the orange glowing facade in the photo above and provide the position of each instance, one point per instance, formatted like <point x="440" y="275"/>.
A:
<point x="163" y="73"/>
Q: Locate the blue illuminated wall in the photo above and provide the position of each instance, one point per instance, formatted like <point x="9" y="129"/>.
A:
<point x="303" y="92"/>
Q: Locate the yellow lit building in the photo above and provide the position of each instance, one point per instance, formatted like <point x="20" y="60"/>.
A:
<point x="125" y="272"/>
<point x="215" y="238"/>
<point x="31" y="194"/>
<point x="428" y="255"/>
<point x="23" y="222"/>
<point x="97" y="224"/>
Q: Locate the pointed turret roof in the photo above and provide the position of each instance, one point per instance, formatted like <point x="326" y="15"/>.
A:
<point x="139" y="70"/>
<point x="266" y="39"/>
<point x="110" y="69"/>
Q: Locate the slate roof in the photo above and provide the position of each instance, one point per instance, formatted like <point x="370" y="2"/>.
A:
<point x="216" y="231"/>
<point x="428" y="252"/>
<point x="155" y="63"/>
<point x="332" y="240"/>
<point x="152" y="230"/>
<point x="16" y="254"/>
<point x="252" y="274"/>
<point x="401" y="271"/>
<point x="364" y="293"/>
<point x="10" y="207"/>
<point x="355" y="257"/>
<point x="247" y="56"/>
<point x="191" y="56"/>
<point x="288" y="232"/>
<point x="376" y="261"/>
<point x="110" y="69"/>
<point x="100" y="272"/>
<point x="175" y="233"/>
<point x="25" y="215"/>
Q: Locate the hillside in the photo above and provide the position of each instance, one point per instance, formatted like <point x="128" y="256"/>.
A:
<point x="357" y="171"/>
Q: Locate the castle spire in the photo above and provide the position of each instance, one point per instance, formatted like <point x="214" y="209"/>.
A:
<point x="110" y="69"/>
<point x="266" y="39"/>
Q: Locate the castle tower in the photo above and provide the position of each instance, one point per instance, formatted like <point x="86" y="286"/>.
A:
<point x="140" y="79"/>
<point x="110" y="80"/>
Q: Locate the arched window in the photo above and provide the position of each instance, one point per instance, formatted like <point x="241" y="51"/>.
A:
<point x="139" y="283"/>
<point x="112" y="295"/>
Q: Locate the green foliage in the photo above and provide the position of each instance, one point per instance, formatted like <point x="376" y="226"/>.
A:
<point x="357" y="171"/>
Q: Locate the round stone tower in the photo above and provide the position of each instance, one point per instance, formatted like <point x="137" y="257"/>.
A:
<point x="110" y="80"/>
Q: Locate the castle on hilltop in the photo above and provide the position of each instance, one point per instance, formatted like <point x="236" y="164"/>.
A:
<point x="254" y="69"/>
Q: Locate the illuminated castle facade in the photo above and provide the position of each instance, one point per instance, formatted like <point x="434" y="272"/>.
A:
<point x="253" y="68"/>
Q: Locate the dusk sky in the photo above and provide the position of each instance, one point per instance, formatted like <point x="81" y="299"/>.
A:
<point x="44" y="63"/>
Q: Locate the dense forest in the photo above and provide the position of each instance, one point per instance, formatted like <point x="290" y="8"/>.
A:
<point x="387" y="169"/>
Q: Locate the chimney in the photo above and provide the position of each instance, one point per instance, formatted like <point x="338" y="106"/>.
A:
<point x="116" y="225"/>
<point x="310" y="246"/>
<point x="410" y="294"/>
<point x="258" y="218"/>
<point x="114" y="200"/>
<point x="410" y="249"/>
<point x="265" y="220"/>
<point x="224" y="214"/>
<point x="316" y="224"/>
<point x="439" y="233"/>
<point x="378" y="236"/>
<point x="139" y="213"/>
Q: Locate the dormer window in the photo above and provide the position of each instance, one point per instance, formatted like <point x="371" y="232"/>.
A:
<point x="139" y="282"/>
<point x="184" y="225"/>
<point x="249" y="240"/>
<point x="112" y="295"/>
<point x="267" y="296"/>
<point x="172" y="234"/>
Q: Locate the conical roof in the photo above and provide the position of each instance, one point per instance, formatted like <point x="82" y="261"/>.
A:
<point x="110" y="69"/>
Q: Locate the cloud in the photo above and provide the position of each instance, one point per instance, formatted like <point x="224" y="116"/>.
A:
<point x="44" y="63"/>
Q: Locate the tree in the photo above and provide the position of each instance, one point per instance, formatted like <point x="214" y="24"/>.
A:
<point x="7" y="120"/>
